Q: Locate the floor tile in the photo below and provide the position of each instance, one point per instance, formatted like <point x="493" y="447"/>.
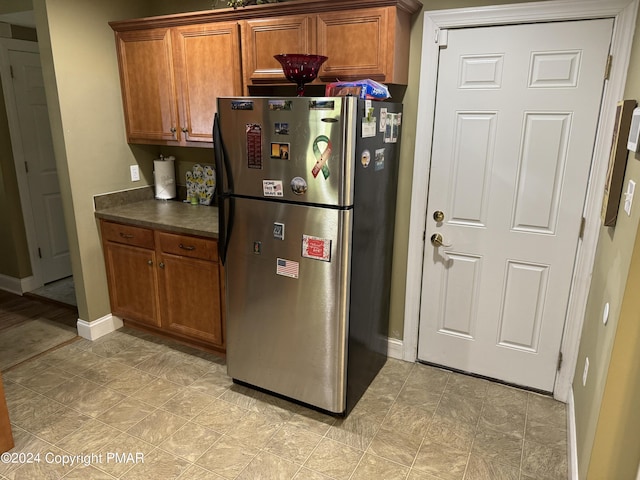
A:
<point x="220" y="416"/>
<point x="482" y="468"/>
<point x="158" y="465"/>
<point x="441" y="461"/>
<point x="254" y="429"/>
<point x="157" y="392"/>
<point x="227" y="457"/>
<point x="457" y="435"/>
<point x="543" y="462"/>
<point x="187" y="403"/>
<point x="492" y="445"/>
<point x="194" y="472"/>
<point x="72" y="390"/>
<point x="546" y="410"/>
<point x="334" y="459"/>
<point x="119" y="454"/>
<point x="157" y="427"/>
<point x="266" y="466"/>
<point x="126" y="413"/>
<point x="372" y="467"/>
<point x="467" y="386"/>
<point x="190" y="441"/>
<point x="507" y="419"/>
<point x="293" y="443"/>
<point x="395" y="445"/>
<point x="458" y="408"/>
<point x="97" y="401"/>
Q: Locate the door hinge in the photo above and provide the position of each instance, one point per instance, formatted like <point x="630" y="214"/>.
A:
<point x="39" y="253"/>
<point x="559" y="360"/>
<point x="424" y="235"/>
<point x="26" y="167"/>
<point x="11" y="71"/>
<point x="607" y="68"/>
<point x="583" y="224"/>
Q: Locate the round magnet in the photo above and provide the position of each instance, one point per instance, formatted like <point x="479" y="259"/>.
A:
<point x="365" y="158"/>
<point x="299" y="185"/>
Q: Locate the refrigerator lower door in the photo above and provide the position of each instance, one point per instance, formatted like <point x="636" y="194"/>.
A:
<point x="287" y="292"/>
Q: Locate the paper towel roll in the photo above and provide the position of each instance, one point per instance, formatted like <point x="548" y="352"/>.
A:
<point x="164" y="174"/>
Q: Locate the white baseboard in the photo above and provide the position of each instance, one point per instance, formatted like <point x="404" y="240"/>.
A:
<point x="100" y="327"/>
<point x="572" y="439"/>
<point x="395" y="348"/>
<point x="17" y="285"/>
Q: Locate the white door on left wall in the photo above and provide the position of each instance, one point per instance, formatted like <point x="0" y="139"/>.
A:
<point x="40" y="166"/>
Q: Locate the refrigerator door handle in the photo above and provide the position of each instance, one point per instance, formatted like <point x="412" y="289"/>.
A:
<point x="223" y="172"/>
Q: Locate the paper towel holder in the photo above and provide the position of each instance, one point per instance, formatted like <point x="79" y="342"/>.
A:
<point x="164" y="175"/>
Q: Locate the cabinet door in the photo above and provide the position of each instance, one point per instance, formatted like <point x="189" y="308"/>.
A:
<point x="148" y="90"/>
<point x="207" y="66"/>
<point x="358" y="44"/>
<point x="190" y="298"/>
<point x="132" y="282"/>
<point x="262" y="39"/>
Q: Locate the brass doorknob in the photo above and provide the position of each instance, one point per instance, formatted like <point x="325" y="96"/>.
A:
<point x="438" y="216"/>
<point x="437" y="241"/>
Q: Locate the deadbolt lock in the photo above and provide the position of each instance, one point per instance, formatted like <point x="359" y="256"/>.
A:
<point x="438" y="216"/>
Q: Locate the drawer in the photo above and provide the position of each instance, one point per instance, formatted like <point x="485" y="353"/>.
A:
<point x="127" y="234"/>
<point x="187" y="246"/>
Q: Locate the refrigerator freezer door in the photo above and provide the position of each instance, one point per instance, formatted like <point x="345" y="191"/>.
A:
<point x="295" y="149"/>
<point x="287" y="287"/>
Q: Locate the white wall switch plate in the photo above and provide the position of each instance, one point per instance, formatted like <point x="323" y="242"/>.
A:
<point x="135" y="173"/>
<point x="628" y="196"/>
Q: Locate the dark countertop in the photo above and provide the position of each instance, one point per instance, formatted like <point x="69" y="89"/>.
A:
<point x="168" y="215"/>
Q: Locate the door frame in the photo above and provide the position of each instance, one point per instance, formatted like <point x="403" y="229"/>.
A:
<point x="35" y="280"/>
<point x="435" y="23"/>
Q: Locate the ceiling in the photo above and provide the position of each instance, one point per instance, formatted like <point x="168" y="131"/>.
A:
<point x="24" y="19"/>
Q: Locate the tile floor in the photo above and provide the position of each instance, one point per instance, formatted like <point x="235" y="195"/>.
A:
<point x="174" y="413"/>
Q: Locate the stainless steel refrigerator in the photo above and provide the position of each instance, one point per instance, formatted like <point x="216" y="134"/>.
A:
<point x="306" y="191"/>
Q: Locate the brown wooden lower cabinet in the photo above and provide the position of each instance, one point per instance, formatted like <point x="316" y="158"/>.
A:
<point x="167" y="283"/>
<point x="6" y="437"/>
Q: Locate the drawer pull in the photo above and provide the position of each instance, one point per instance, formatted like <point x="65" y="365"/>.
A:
<point x="187" y="247"/>
<point x="126" y="235"/>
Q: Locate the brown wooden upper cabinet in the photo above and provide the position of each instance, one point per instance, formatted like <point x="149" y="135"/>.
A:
<point x="171" y="78"/>
<point x="265" y="37"/>
<point x="360" y="43"/>
<point x="174" y="67"/>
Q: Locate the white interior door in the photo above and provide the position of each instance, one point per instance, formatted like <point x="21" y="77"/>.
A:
<point x="42" y="176"/>
<point x="516" y="114"/>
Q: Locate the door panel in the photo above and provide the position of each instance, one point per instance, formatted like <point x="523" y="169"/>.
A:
<point x="515" y="121"/>
<point x="287" y="325"/>
<point x="42" y="174"/>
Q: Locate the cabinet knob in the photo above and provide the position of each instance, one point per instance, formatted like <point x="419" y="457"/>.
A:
<point x="149" y="262"/>
<point x="185" y="130"/>
<point x="173" y="130"/>
<point x="161" y="265"/>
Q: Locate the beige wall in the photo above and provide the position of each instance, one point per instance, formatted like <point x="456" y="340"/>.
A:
<point x="607" y="444"/>
<point x="82" y="85"/>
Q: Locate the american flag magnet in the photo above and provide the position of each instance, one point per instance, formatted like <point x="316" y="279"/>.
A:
<point x="287" y="268"/>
